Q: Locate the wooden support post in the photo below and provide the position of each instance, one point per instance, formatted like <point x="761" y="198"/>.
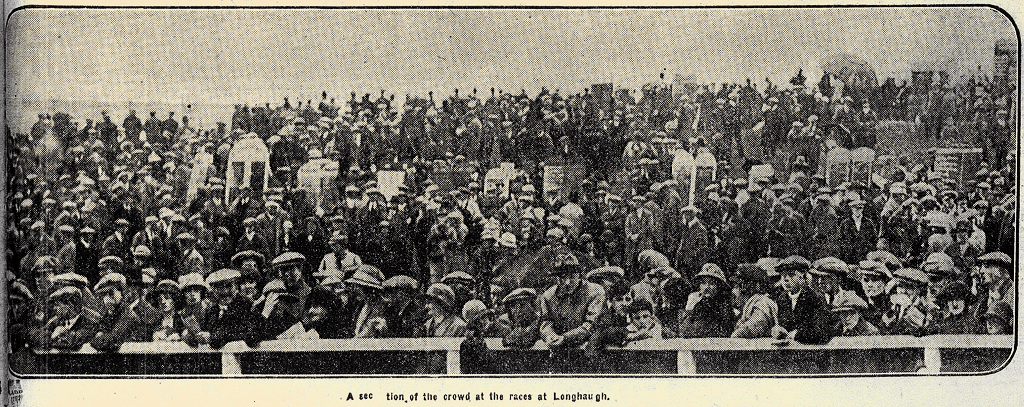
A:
<point x="229" y="364"/>
<point x="454" y="360"/>
<point x="685" y="363"/>
<point x="932" y="361"/>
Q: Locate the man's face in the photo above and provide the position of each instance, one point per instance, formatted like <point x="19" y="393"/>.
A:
<point x="873" y="285"/>
<point x="568" y="279"/>
<point x="226" y="291"/>
<point x="849" y="318"/>
<point x="193" y="296"/>
<point x="991" y="275"/>
<point x="166" y="302"/>
<point x="291" y="274"/>
<point x="249" y="264"/>
<point x="825" y="283"/>
<point x="793" y="281"/>
<point x="521" y="310"/>
<point x="64" y="309"/>
<point x="338" y="247"/>
<point x="112" y="299"/>
<point x="620" y="304"/>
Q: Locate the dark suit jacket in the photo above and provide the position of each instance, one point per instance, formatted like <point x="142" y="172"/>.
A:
<point x="239" y="323"/>
<point x="811" y="317"/>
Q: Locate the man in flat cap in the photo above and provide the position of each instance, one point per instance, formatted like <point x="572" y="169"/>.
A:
<point x="694" y="244"/>
<point x="231" y="318"/>
<point x="189" y="260"/>
<point x="119" y="243"/>
<point x="271" y="224"/>
<point x="290" y="270"/>
<point x="803" y="314"/>
<point x="119" y="322"/>
<point x="404" y="313"/>
<point x="997" y="280"/>
<point x="340" y="260"/>
<point x="251" y="239"/>
<point x="568" y="311"/>
<point x="69" y="327"/>
<point x="859" y="232"/>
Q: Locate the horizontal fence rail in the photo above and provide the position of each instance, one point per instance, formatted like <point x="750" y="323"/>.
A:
<point x="864" y="354"/>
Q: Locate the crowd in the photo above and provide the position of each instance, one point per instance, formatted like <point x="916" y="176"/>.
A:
<point x="107" y="244"/>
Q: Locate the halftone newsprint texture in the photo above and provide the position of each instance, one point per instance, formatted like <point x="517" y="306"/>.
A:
<point x="513" y="192"/>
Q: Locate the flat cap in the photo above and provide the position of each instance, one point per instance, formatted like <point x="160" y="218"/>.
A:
<point x="912" y="275"/>
<point x="223" y="276"/>
<point x="239" y="257"/>
<point x="520" y="294"/>
<point x="458" y="276"/>
<point x="401" y="282"/>
<point x="793" y="263"/>
<point x="997" y="259"/>
<point x="112" y="281"/>
<point x="288" y="259"/>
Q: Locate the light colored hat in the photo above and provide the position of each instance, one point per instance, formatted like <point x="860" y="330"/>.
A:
<point x="520" y="294"/>
<point x="367" y="276"/>
<point x="443" y="294"/>
<point x="192" y="280"/>
<point x="507" y="240"/>
<point x="223" y="276"/>
<point x="712" y="270"/>
<point x="109" y="282"/>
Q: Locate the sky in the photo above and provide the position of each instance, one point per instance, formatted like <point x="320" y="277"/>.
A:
<point x="256" y="56"/>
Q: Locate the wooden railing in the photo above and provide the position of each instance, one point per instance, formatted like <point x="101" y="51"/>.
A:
<point x="923" y="355"/>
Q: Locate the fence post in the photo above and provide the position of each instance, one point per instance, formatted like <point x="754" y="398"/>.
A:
<point x="932" y="360"/>
<point x="229" y="364"/>
<point x="454" y="360"/>
<point x="685" y="363"/>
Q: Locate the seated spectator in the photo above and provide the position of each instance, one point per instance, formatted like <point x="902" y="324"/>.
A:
<point x="909" y="312"/>
<point x="403" y="313"/>
<point x="167" y="300"/>
<point x="231" y="318"/>
<point x="953" y="303"/>
<point x="442" y="321"/>
<point x="758" y="312"/>
<point x="366" y="287"/>
<point x="118" y="323"/>
<point x="477" y="358"/>
<point x="69" y="328"/>
<point x="524" y="326"/>
<point x="874" y="276"/>
<point x="708" y="311"/>
<point x="194" y="307"/>
<point x="847" y="306"/>
<point x="999" y="320"/>
<point x="642" y="322"/>
<point x="803" y="315"/>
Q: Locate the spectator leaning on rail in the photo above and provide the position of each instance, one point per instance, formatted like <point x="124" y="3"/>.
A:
<point x="119" y="322"/>
<point x="758" y="312"/>
<point x="803" y="314"/>
<point x="568" y="311"/>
